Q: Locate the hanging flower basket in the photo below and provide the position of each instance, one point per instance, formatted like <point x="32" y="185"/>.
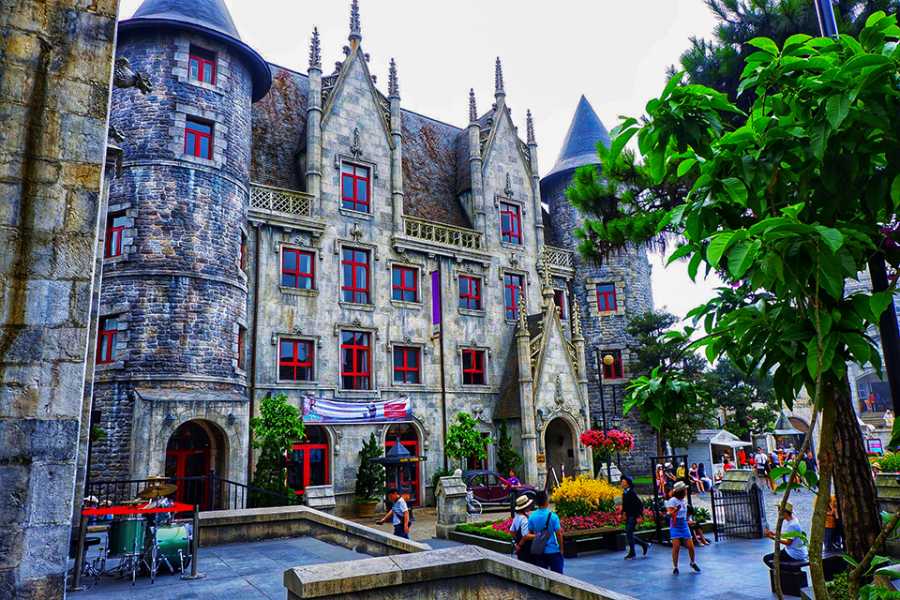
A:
<point x="605" y="445"/>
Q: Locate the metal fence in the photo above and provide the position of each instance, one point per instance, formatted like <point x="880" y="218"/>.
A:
<point x="736" y="514"/>
<point x="210" y="492"/>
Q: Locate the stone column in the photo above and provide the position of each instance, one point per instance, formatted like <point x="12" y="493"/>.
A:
<point x="314" y="124"/>
<point x="581" y="365"/>
<point x="475" y="166"/>
<point x="396" y="150"/>
<point x="526" y="397"/>
<point x="56" y="67"/>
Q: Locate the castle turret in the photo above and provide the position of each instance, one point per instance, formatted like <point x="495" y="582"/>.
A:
<point x="173" y="310"/>
<point x="607" y="295"/>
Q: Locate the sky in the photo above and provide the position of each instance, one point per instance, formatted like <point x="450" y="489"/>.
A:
<point x="615" y="52"/>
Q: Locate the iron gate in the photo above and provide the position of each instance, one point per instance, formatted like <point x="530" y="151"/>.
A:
<point x="736" y="514"/>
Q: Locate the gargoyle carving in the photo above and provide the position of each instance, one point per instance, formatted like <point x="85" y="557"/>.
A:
<point x="124" y="77"/>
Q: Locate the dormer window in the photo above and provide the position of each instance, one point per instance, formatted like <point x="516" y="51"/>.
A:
<point x="203" y="65"/>
<point x="510" y="223"/>
<point x="198" y="139"/>
<point x="355" y="187"/>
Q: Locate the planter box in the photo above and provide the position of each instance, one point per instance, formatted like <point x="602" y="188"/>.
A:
<point x="888" y="489"/>
<point x="484" y="542"/>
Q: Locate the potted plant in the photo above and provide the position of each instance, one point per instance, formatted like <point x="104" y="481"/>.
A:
<point x="369" y="479"/>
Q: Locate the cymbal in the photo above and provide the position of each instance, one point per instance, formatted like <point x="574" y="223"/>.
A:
<point x="157" y="490"/>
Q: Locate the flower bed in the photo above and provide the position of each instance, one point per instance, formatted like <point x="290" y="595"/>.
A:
<point x="582" y="496"/>
<point x="488" y="530"/>
<point x="597" y="520"/>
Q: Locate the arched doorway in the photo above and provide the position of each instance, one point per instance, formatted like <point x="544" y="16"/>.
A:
<point x="310" y="462"/>
<point x="404" y="476"/>
<point x="559" y="447"/>
<point x="193" y="450"/>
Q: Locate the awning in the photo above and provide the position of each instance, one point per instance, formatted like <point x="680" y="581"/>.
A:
<point x="397" y="455"/>
<point x="726" y="438"/>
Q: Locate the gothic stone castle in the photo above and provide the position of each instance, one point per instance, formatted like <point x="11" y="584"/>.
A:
<point x="272" y="231"/>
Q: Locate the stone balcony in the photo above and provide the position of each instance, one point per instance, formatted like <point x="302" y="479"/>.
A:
<point x="443" y="235"/>
<point x="268" y="200"/>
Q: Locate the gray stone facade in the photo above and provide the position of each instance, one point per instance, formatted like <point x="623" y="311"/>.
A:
<point x="205" y="240"/>
<point x="55" y="73"/>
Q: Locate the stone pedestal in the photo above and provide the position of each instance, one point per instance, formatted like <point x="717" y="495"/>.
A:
<point x="615" y="475"/>
<point x="887" y="486"/>
<point x="320" y="497"/>
<point x="451" y="504"/>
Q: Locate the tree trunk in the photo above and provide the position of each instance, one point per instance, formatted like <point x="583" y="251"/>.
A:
<point x="853" y="481"/>
<point x="826" y="471"/>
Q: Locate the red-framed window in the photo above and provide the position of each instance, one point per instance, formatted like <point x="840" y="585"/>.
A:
<point x="198" y="139"/>
<point x="296" y="360"/>
<point x="407" y="364"/>
<point x="355" y="187"/>
<point x="606" y="297"/>
<point x="308" y="460"/>
<point x="616" y="370"/>
<point x="202" y="65"/>
<point x="510" y="223"/>
<point x="107" y="332"/>
<point x="473" y="367"/>
<point x="513" y="285"/>
<point x="241" y="344"/>
<point x="298" y="269"/>
<point x="355" y="263"/>
<point x="115" y="228"/>
<point x="405" y="284"/>
<point x="356" y="360"/>
<point x="559" y="297"/>
<point x="470" y="292"/>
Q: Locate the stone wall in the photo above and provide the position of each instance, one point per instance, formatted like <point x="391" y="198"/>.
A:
<point x="55" y="69"/>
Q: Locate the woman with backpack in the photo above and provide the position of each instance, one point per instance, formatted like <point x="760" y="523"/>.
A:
<point x="546" y="535"/>
<point x="519" y="528"/>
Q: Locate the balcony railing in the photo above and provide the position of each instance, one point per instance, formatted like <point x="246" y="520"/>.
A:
<point x="445" y="235"/>
<point x="559" y="257"/>
<point x="273" y="200"/>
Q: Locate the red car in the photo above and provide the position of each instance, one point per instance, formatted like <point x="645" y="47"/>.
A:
<point x="489" y="487"/>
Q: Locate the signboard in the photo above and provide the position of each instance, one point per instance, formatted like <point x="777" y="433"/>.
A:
<point x="540" y="458"/>
<point x="874" y="446"/>
<point x="321" y="410"/>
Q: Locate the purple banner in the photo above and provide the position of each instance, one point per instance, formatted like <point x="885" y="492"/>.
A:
<point x="436" y="308"/>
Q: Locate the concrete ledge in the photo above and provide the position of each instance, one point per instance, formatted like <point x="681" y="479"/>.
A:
<point x="451" y="573"/>
<point x="229" y="526"/>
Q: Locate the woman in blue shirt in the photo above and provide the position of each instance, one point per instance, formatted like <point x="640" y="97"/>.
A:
<point x="544" y="528"/>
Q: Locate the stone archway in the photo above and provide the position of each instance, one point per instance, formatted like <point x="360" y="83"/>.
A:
<point x="559" y="448"/>
<point x="194" y="449"/>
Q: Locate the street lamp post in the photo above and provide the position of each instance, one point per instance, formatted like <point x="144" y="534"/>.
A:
<point x="605" y="361"/>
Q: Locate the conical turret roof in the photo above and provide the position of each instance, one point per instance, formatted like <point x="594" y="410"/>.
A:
<point x="209" y="17"/>
<point x="580" y="145"/>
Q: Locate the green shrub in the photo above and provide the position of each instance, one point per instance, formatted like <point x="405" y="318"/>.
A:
<point x="838" y="588"/>
<point x="484" y="530"/>
<point x="889" y="463"/>
<point x="574" y="508"/>
<point x="701" y="515"/>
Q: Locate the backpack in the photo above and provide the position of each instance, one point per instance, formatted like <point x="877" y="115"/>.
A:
<point x="542" y="537"/>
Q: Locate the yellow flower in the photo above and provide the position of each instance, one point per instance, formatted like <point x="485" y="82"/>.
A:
<point x="585" y="489"/>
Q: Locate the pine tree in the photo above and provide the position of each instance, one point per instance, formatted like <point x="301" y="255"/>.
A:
<point x="277" y="427"/>
<point x="507" y="458"/>
<point x="370" y="475"/>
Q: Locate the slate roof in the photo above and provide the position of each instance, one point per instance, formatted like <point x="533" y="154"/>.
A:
<point x="433" y="151"/>
<point x="209" y="17"/>
<point x="580" y="145"/>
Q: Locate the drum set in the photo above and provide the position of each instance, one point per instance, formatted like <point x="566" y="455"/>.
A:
<point x="142" y="535"/>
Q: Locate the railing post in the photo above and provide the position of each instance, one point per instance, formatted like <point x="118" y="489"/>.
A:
<point x="79" y="555"/>
<point x="195" y="547"/>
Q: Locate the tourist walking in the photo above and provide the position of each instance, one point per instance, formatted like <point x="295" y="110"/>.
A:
<point x="704" y="478"/>
<point x="519" y="529"/>
<point x="633" y="508"/>
<point x="832" y="542"/>
<point x="679" y="531"/>
<point x="546" y="535"/>
<point x="398" y="513"/>
<point x="794" y="547"/>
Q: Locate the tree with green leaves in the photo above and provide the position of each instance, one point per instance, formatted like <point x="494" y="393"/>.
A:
<point x="370" y="475"/>
<point x="507" y="458"/>
<point x="785" y="202"/>
<point x="278" y="426"/>
<point x="464" y="441"/>
<point x="668" y="392"/>
<point x="747" y="401"/>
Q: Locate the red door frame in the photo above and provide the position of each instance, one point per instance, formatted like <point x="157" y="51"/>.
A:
<point x="181" y="459"/>
<point x="306" y="448"/>
<point x="413" y="447"/>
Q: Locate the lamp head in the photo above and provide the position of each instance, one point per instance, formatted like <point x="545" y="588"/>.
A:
<point x="608" y="360"/>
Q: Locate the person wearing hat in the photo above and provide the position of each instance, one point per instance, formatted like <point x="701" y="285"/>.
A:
<point x="679" y="531"/>
<point x="633" y="508"/>
<point x="794" y="546"/>
<point x="519" y="528"/>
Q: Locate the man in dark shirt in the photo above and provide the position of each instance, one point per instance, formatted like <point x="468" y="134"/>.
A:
<point x="633" y="509"/>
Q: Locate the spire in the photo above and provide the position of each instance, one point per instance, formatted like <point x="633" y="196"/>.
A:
<point x="315" y="51"/>
<point x="355" y="29"/>
<point x="393" y="82"/>
<point x="529" y="122"/>
<point x="473" y="111"/>
<point x="498" y="79"/>
<point x="546" y="281"/>
<point x="576" y="319"/>
<point x="523" y="315"/>
<point x="580" y="145"/>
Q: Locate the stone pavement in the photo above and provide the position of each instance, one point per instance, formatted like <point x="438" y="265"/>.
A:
<point x="243" y="571"/>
